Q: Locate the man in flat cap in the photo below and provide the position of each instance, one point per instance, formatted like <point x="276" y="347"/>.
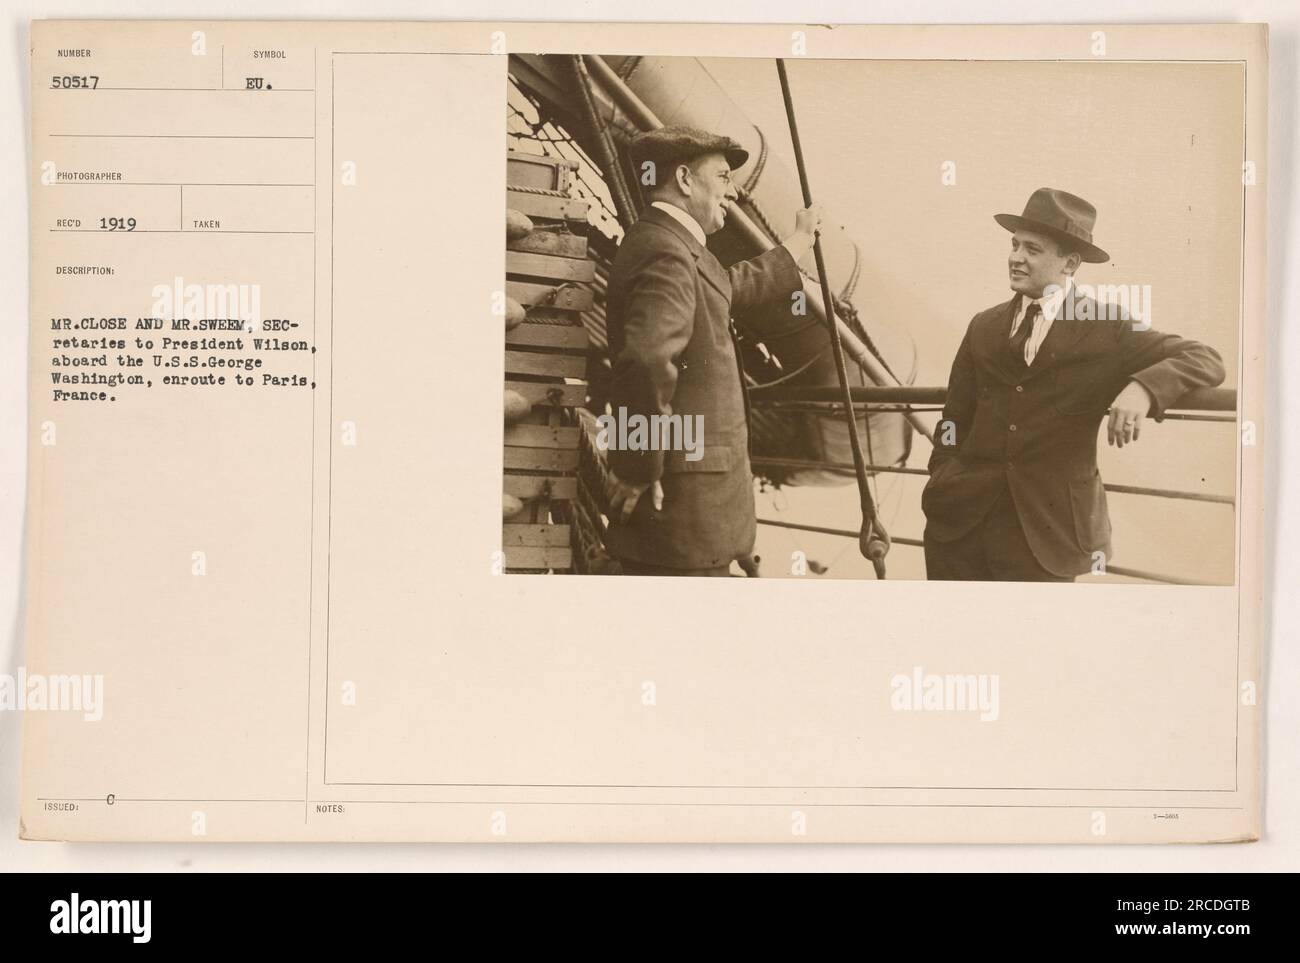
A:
<point x="1014" y="493"/>
<point x="669" y="311"/>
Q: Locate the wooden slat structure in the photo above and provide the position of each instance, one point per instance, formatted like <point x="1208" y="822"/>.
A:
<point x="540" y="459"/>
<point x="533" y="486"/>
<point x="537" y="536"/>
<point x="547" y="206"/>
<point x="550" y="242"/>
<point x="549" y="273"/>
<point x="549" y="266"/>
<point x="542" y="436"/>
<point x="551" y="393"/>
<point x="540" y="173"/>
<point x="564" y="295"/>
<point x="547" y="336"/>
<point x="537" y="363"/>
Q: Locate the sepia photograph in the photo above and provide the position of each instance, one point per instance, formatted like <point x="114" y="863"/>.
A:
<point x="896" y="316"/>
<point x="924" y="319"/>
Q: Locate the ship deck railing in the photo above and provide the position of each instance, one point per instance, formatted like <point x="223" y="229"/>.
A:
<point x="1202" y="404"/>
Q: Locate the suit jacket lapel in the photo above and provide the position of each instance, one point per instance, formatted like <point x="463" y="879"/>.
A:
<point x="998" y="343"/>
<point x="655" y="216"/>
<point x="1066" y="330"/>
<point x="715" y="273"/>
<point x="708" y="265"/>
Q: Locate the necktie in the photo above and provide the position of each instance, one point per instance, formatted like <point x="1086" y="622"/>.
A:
<point x="1021" y="337"/>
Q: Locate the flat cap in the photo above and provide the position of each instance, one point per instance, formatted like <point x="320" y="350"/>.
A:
<point x="677" y="145"/>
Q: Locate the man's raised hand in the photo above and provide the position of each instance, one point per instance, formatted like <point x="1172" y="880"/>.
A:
<point x="807" y="223"/>
<point x="624" y="495"/>
<point x="809" y="220"/>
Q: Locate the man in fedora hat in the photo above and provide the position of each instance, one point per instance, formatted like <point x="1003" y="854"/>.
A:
<point x="1014" y="493"/>
<point x="668" y="314"/>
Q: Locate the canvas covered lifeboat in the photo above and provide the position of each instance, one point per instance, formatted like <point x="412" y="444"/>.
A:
<point x="603" y="103"/>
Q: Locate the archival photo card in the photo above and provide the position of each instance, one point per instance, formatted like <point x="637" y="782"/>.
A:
<point x="951" y="336"/>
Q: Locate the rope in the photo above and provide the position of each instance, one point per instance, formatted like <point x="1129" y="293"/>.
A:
<point x="756" y="212"/>
<point x="796" y="372"/>
<point x="759" y="164"/>
<point x="609" y="161"/>
<point x="852" y="285"/>
<point x="523" y="189"/>
<point x="845" y="308"/>
<point x="551" y="320"/>
<point x="554" y="142"/>
<point x="628" y="68"/>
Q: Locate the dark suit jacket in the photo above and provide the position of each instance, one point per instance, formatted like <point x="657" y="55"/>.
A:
<point x="1036" y="429"/>
<point x="668" y="316"/>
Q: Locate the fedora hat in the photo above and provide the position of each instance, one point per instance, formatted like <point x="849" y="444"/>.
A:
<point x="679" y="144"/>
<point x="1059" y="215"/>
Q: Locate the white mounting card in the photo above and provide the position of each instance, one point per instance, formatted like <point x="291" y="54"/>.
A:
<point x="285" y="362"/>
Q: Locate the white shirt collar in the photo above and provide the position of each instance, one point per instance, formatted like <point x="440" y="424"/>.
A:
<point x="1049" y="304"/>
<point x="690" y="223"/>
